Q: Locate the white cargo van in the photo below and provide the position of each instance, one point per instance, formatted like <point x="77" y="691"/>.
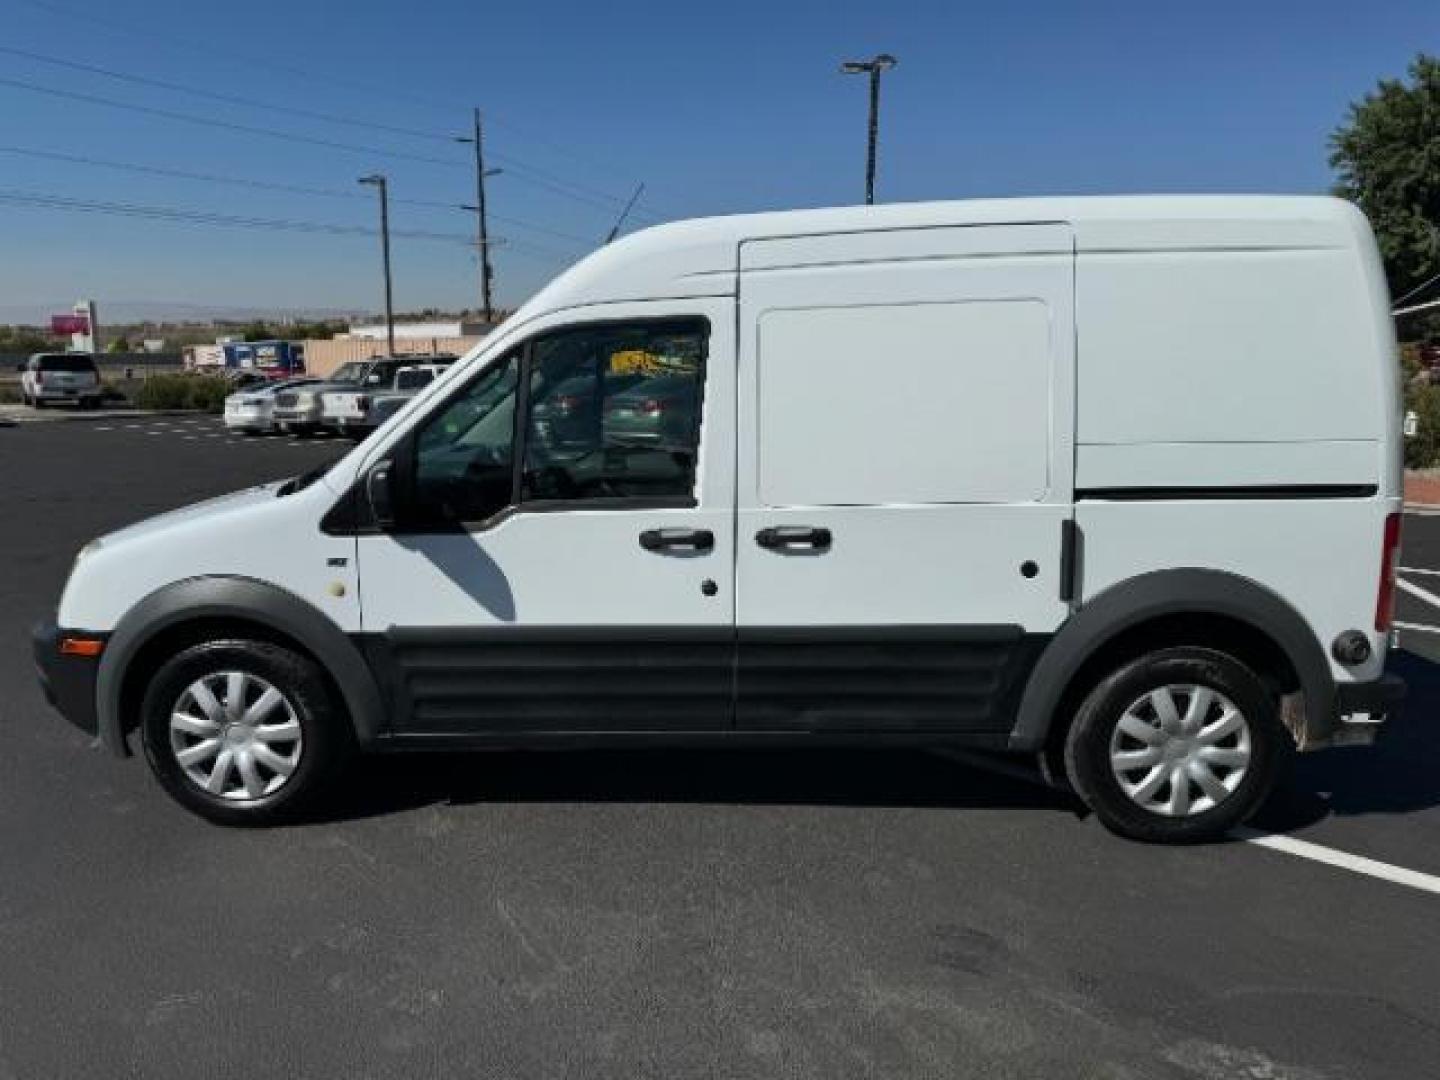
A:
<point x="1113" y="481"/>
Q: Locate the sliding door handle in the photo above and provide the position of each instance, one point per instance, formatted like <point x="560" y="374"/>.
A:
<point x="666" y="539"/>
<point x="783" y="537"/>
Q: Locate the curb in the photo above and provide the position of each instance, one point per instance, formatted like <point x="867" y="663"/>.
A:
<point x="102" y="414"/>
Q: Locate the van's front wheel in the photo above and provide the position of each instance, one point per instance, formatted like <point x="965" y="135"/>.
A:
<point x="242" y="732"/>
<point x="1178" y="746"/>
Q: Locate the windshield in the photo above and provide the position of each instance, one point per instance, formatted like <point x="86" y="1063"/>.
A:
<point x="354" y="371"/>
<point x="75" y="362"/>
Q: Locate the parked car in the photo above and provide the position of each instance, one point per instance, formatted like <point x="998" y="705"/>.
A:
<point x="573" y="411"/>
<point x="300" y="411"/>
<point x="357" y="412"/>
<point x="252" y="410"/>
<point x="924" y="504"/>
<point x="47" y="378"/>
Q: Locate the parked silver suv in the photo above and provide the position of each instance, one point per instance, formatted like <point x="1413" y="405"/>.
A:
<point x="51" y="377"/>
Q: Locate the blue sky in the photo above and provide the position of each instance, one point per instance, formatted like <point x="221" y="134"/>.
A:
<point x="717" y="107"/>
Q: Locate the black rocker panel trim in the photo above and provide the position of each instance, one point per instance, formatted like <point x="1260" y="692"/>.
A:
<point x="513" y="682"/>
<point x="537" y="679"/>
<point x="883" y="679"/>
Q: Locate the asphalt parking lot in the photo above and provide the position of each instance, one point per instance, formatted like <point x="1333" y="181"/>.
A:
<point x="676" y="914"/>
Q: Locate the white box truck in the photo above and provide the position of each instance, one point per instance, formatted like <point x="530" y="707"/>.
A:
<point x="1115" y="481"/>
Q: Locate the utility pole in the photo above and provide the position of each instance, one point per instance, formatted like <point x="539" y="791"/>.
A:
<point x="487" y="272"/>
<point x="872" y="67"/>
<point x="379" y="181"/>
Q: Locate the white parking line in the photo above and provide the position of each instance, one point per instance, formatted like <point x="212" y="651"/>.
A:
<point x="1419" y="593"/>
<point x="1421" y="627"/>
<point x="1301" y="849"/>
<point x="1418" y="570"/>
<point x="1358" y="864"/>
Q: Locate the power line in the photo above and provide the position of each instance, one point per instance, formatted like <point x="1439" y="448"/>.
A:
<point x="231" y="99"/>
<point x="270" y="185"/>
<point x="288" y="136"/>
<point x="183" y="216"/>
<point x="227" y="125"/>
<point x="252" y="60"/>
<point x="147" y="211"/>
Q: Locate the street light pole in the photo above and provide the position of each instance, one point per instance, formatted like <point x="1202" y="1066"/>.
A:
<point x="379" y="181"/>
<point x="873" y="67"/>
<point x="487" y="272"/>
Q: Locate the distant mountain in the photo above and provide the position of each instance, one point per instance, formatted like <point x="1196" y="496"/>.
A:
<point x="130" y="311"/>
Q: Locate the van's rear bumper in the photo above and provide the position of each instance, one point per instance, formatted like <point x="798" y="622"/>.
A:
<point x="68" y="681"/>
<point x="1362" y="708"/>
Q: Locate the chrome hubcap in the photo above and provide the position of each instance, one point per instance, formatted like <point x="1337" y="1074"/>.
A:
<point x="1180" y="750"/>
<point x="236" y="736"/>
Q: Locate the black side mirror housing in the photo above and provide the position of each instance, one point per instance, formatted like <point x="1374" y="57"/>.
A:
<point x="381" y="497"/>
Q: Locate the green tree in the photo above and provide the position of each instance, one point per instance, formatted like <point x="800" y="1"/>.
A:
<point x="1387" y="157"/>
<point x="24" y="339"/>
<point x="118" y="345"/>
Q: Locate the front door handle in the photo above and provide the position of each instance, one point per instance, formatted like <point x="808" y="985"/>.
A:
<point x="665" y="539"/>
<point x="781" y="537"/>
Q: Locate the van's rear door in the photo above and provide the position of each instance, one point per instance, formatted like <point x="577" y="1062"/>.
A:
<point x="905" y="474"/>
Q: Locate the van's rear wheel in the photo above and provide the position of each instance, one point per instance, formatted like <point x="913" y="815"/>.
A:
<point x="242" y="732"/>
<point x="1178" y="746"/>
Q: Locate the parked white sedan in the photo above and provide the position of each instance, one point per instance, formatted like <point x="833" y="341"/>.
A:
<point x="253" y="410"/>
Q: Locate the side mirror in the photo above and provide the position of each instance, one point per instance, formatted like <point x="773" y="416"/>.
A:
<point x="378" y="491"/>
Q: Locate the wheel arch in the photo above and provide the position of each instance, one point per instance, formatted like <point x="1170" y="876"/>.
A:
<point x="1181" y="606"/>
<point x="185" y="611"/>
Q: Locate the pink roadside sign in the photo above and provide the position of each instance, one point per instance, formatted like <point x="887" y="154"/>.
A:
<point x="69" y="324"/>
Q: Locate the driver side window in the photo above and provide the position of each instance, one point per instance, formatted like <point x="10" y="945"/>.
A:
<point x="614" y="412"/>
<point x="610" y="412"/>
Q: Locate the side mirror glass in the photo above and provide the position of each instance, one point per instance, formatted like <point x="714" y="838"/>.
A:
<point x="378" y="490"/>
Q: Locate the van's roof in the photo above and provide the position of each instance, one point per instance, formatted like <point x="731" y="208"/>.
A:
<point x="699" y="257"/>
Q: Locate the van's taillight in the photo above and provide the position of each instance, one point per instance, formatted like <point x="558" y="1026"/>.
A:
<point x="1389" y="554"/>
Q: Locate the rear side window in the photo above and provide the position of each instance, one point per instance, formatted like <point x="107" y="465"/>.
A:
<point x="904" y="403"/>
<point x="77" y="362"/>
<point x="413" y="380"/>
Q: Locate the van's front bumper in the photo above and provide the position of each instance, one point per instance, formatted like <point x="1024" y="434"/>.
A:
<point x="67" y="680"/>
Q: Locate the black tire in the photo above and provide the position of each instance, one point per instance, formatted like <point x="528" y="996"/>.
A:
<point x="326" y="738"/>
<point x="37" y="403"/>
<point x="1088" y="744"/>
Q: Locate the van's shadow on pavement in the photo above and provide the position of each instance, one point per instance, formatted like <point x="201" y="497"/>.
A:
<point x="1401" y="774"/>
<point x="833" y="777"/>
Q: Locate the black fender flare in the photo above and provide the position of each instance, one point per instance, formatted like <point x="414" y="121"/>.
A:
<point x="240" y="598"/>
<point x="1172" y="592"/>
